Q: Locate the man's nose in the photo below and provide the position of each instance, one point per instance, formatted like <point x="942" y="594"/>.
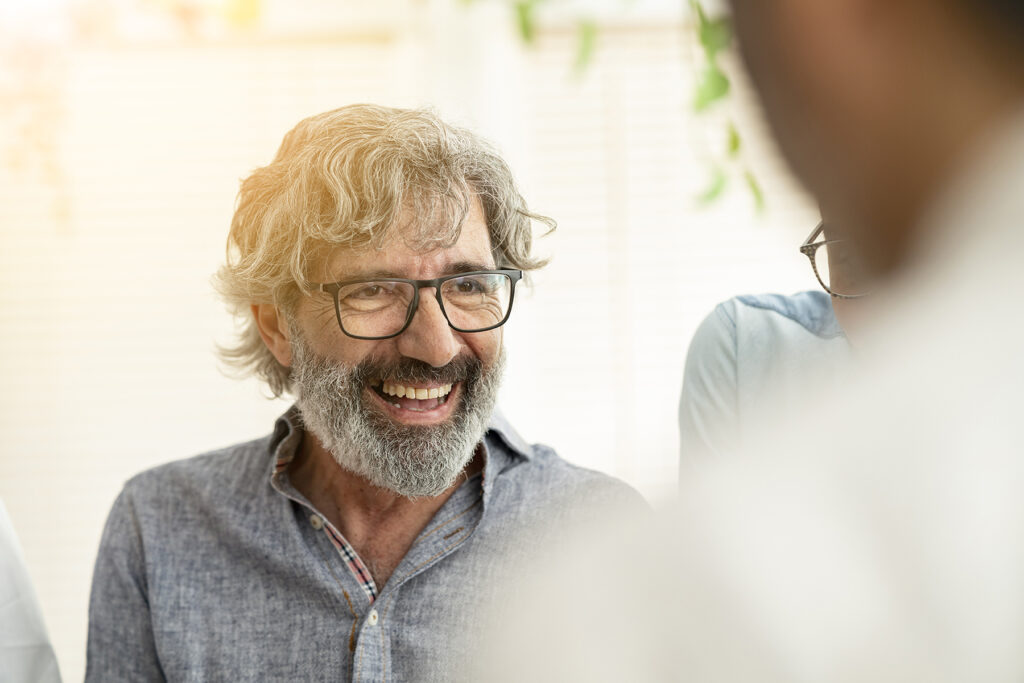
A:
<point x="429" y="338"/>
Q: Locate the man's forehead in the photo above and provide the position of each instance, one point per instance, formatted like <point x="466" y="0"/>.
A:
<point x="397" y="256"/>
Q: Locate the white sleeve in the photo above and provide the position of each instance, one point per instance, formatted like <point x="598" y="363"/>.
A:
<point x="26" y="655"/>
<point x="708" y="406"/>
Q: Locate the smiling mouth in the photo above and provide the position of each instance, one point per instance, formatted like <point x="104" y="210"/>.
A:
<point x="416" y="398"/>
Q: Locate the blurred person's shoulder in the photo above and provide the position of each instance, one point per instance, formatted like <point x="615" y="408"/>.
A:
<point x="753" y="351"/>
<point x="753" y="327"/>
<point x="811" y="310"/>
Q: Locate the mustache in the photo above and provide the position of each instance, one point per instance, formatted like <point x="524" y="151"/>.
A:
<point x="412" y="371"/>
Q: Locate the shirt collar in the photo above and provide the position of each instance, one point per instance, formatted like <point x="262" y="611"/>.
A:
<point x="500" y="427"/>
<point x="284" y="442"/>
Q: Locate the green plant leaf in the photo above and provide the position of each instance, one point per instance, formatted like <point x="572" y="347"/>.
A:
<point x="713" y="86"/>
<point x="586" y="39"/>
<point x="715" y="35"/>
<point x="526" y="20"/>
<point x="715" y="188"/>
<point x="699" y="11"/>
<point x="735" y="143"/>
<point x="755" y="189"/>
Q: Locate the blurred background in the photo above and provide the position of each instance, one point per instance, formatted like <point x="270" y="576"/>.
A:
<point x="126" y="125"/>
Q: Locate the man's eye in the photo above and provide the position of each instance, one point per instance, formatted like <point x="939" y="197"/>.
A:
<point x="468" y="286"/>
<point x="368" y="292"/>
<point x="376" y="292"/>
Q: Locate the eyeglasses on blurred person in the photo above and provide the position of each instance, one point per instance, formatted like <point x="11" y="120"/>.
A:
<point x="836" y="265"/>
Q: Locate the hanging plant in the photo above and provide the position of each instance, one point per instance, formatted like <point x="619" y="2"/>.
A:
<point x="526" y="23"/>
<point x="715" y="36"/>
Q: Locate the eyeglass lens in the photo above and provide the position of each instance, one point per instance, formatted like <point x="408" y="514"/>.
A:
<point x="838" y="269"/>
<point x="380" y="308"/>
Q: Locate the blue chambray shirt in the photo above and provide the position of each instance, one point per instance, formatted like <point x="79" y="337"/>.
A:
<point x="751" y="354"/>
<point x="214" y="569"/>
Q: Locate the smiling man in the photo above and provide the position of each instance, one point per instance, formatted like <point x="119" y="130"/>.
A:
<point x="373" y="264"/>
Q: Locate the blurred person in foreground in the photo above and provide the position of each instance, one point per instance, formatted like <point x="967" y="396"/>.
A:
<point x="756" y="357"/>
<point x="372" y="264"/>
<point x="26" y="655"/>
<point x="879" y="534"/>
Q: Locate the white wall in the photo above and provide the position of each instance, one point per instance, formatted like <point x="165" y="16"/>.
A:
<point x="109" y="321"/>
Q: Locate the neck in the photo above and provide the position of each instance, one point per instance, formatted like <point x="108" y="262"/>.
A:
<point x="923" y="186"/>
<point x="380" y="524"/>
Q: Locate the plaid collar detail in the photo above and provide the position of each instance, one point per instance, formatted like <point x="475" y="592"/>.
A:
<point x="352" y="561"/>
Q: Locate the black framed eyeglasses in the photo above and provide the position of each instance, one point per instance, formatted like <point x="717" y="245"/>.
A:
<point x="381" y="308"/>
<point x="835" y="265"/>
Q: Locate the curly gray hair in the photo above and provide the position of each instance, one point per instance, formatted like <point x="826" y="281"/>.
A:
<point x="343" y="179"/>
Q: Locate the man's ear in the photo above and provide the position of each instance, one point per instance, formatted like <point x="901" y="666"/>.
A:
<point x="274" y="330"/>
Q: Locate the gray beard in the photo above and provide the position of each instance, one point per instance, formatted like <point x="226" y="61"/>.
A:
<point x="413" y="461"/>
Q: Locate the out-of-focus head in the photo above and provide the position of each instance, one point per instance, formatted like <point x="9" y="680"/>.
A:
<point x="355" y="179"/>
<point x="875" y="103"/>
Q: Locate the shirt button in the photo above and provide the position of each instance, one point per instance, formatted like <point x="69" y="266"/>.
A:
<point x="316" y="522"/>
<point x="372" y="618"/>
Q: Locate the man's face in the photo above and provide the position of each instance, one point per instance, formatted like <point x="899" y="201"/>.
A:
<point x="347" y="388"/>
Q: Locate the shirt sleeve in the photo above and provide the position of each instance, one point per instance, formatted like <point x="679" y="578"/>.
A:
<point x="26" y="655"/>
<point x="708" y="406"/>
<point x="121" y="645"/>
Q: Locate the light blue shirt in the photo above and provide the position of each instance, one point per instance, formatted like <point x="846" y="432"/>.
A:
<point x="216" y="569"/>
<point x="751" y="353"/>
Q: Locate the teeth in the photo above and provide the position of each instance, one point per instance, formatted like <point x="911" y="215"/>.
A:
<point x="401" y="391"/>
